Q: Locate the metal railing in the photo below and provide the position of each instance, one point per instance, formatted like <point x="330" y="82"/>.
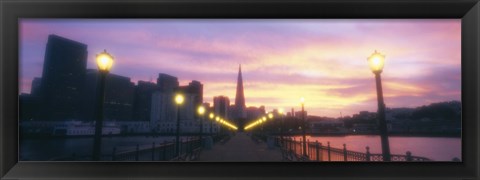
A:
<point x="292" y="150"/>
<point x="190" y="149"/>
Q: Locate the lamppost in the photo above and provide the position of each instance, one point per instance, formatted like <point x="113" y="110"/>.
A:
<point x="280" y="111"/>
<point x="264" y="119"/>
<point x="179" y="101"/>
<point x="302" y="101"/>
<point x="201" y="112"/>
<point x="104" y="63"/>
<point x="211" y="116"/>
<point x="217" y="119"/>
<point x="376" y="62"/>
<point x="270" y="116"/>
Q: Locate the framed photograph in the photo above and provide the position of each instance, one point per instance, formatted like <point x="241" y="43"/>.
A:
<point x="251" y="89"/>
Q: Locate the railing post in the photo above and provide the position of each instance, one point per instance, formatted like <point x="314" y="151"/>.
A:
<point x="136" y="153"/>
<point x="317" y="151"/>
<point x="180" y="143"/>
<point x="344" y="152"/>
<point x="165" y="150"/>
<point x="290" y="147"/>
<point x="409" y="156"/>
<point x="328" y="149"/>
<point x="114" y="154"/>
<point x="320" y="148"/>
<point x="153" y="151"/>
<point x="294" y="146"/>
<point x="308" y="148"/>
<point x="368" y="153"/>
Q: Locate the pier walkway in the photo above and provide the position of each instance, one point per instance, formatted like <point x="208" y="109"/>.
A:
<point x="241" y="147"/>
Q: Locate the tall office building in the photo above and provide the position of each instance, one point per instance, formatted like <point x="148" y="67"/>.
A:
<point x="163" y="111"/>
<point x="119" y="97"/>
<point x="193" y="90"/>
<point x="240" y="106"/>
<point x="239" y="112"/>
<point x="167" y="83"/>
<point x="36" y="82"/>
<point x="163" y="108"/>
<point x="196" y="88"/>
<point x="221" y="106"/>
<point x="62" y="79"/>
<point x="143" y="100"/>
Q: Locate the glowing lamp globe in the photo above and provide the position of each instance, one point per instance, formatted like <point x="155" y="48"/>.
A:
<point x="104" y="61"/>
<point x="201" y="110"/>
<point x="179" y="99"/>
<point x="376" y="62"/>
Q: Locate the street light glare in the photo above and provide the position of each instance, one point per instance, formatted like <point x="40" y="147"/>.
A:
<point x="211" y="116"/>
<point x="104" y="61"/>
<point x="179" y="99"/>
<point x="201" y="110"/>
<point x="270" y="115"/>
<point x="376" y="62"/>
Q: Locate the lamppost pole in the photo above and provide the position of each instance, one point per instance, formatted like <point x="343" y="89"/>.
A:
<point x="211" y="116"/>
<point x="178" y="100"/>
<point x="376" y="61"/>
<point x="282" y="124"/>
<point x="201" y="112"/>
<point x="269" y="126"/>
<point x="99" y="122"/>
<point x="303" y="128"/>
<point x="104" y="63"/>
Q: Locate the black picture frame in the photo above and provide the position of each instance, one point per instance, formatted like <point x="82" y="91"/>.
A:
<point x="11" y="11"/>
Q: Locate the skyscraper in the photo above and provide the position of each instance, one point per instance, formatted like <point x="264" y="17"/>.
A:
<point x="240" y="107"/>
<point x="143" y="100"/>
<point x="167" y="83"/>
<point x="196" y="88"/>
<point x="62" y="79"/>
<point x="221" y="105"/>
<point x="119" y="96"/>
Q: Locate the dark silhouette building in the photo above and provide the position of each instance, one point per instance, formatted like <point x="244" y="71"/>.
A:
<point x="35" y="89"/>
<point x="196" y="88"/>
<point x="143" y="100"/>
<point x="28" y="107"/>
<point x="167" y="83"/>
<point x="239" y="111"/>
<point x="62" y="81"/>
<point x="221" y="106"/>
<point x="193" y="92"/>
<point x="119" y="96"/>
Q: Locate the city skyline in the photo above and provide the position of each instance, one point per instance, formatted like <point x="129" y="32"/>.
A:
<point x="275" y="75"/>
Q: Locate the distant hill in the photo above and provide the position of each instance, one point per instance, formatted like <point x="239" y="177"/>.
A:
<point x="442" y="111"/>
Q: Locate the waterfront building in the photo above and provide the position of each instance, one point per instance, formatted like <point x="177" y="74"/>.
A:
<point x="143" y="100"/>
<point x="221" y="106"/>
<point x="63" y="78"/>
<point x="119" y="97"/>
<point x="167" y="83"/>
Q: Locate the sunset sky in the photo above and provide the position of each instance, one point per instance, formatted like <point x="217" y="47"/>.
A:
<point x="324" y="61"/>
